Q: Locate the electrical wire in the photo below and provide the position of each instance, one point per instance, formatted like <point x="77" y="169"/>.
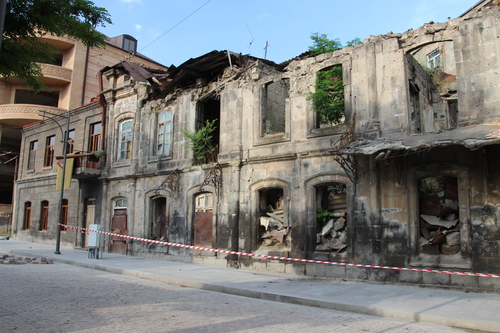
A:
<point x="184" y="19"/>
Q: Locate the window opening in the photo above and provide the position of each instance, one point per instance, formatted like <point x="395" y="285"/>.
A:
<point x="452" y="112"/>
<point x="64" y="214"/>
<point x="70" y="147"/>
<point x="331" y="217"/>
<point x="125" y="137"/>
<point x="49" y="151"/>
<point x="27" y="215"/>
<point x="439" y="215"/>
<point x="129" y="45"/>
<point x="208" y="124"/>
<point x="159" y="222"/>
<point x="32" y="155"/>
<point x="274" y="98"/>
<point x="434" y="59"/>
<point x="328" y="101"/>
<point x="415" y="108"/>
<point x="274" y="231"/>
<point x="164" y="135"/>
<point x="41" y="98"/>
<point x="44" y="216"/>
<point x="95" y="137"/>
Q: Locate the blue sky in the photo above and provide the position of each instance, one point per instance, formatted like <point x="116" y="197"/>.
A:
<point x="173" y="31"/>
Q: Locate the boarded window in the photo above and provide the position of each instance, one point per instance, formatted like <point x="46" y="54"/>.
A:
<point x="274" y="99"/>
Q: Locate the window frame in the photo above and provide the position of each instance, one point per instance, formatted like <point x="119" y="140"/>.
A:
<point x="50" y="143"/>
<point x="32" y="155"/>
<point x="124" y="146"/>
<point x="70" y="146"/>
<point x="166" y="124"/>
<point x="27" y="216"/>
<point x="95" y="137"/>
<point x="44" y="216"/>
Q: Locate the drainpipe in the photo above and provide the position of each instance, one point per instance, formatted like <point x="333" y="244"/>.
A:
<point x="102" y="103"/>
<point x="85" y="74"/>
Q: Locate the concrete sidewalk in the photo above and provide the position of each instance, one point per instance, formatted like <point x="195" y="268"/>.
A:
<point x="476" y="311"/>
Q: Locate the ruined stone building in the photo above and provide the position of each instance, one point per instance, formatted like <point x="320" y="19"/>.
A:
<point x="407" y="176"/>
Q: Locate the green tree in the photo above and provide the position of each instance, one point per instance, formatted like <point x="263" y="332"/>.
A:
<point x="28" y="20"/>
<point x="328" y="99"/>
<point x="322" y="44"/>
<point x="201" y="143"/>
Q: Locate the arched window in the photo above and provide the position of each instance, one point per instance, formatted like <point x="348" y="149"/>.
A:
<point x="125" y="139"/>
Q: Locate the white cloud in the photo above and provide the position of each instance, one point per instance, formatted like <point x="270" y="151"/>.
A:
<point x="138" y="27"/>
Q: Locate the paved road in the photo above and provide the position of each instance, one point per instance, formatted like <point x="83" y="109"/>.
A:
<point x="65" y="298"/>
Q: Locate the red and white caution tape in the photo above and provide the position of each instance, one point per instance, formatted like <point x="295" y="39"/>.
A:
<point x="284" y="258"/>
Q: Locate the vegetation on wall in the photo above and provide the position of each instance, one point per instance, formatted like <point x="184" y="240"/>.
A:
<point x="201" y="143"/>
<point x="328" y="97"/>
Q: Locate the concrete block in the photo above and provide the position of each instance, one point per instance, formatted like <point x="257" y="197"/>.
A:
<point x="356" y="273"/>
<point x="435" y="278"/>
<point x="275" y="266"/>
<point x="259" y="265"/>
<point x="464" y="281"/>
<point x="335" y="271"/>
<point x="410" y="276"/>
<point x="292" y="268"/>
<point x="316" y="270"/>
<point x="489" y="283"/>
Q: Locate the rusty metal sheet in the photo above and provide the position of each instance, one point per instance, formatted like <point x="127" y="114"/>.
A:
<point x="203" y="229"/>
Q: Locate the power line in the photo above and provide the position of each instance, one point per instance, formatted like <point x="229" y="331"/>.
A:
<point x="184" y="19"/>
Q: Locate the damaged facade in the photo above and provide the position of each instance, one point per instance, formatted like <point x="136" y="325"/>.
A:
<point x="409" y="179"/>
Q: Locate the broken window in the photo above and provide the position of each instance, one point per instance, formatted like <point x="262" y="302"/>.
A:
<point x="160" y="219"/>
<point x="328" y="98"/>
<point x="331" y="217"/>
<point x="44" y="216"/>
<point x="439" y="215"/>
<point x="434" y="59"/>
<point x="274" y="230"/>
<point x="203" y="220"/>
<point x="27" y="215"/>
<point x="452" y="106"/>
<point x="274" y="99"/>
<point x="208" y="122"/>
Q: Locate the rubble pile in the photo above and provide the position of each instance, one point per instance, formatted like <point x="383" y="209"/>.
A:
<point x="275" y="231"/>
<point x="11" y="259"/>
<point x="333" y="236"/>
<point x="439" y="221"/>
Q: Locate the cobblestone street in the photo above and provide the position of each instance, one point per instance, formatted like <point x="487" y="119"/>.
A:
<point x="65" y="298"/>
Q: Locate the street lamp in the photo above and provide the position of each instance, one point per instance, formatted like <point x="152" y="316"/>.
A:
<point x="65" y="147"/>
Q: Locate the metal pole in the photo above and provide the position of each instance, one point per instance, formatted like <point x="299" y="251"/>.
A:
<point x="61" y="197"/>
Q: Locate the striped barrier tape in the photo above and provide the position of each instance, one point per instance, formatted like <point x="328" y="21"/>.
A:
<point x="285" y="258"/>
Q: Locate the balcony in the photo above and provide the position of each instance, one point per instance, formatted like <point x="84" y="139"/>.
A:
<point x="88" y="166"/>
<point x="55" y="75"/>
<point x="22" y="114"/>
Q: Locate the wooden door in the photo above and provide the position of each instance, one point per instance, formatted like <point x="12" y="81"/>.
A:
<point x="119" y="226"/>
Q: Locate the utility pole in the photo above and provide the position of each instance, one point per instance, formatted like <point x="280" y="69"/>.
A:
<point x="65" y="153"/>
